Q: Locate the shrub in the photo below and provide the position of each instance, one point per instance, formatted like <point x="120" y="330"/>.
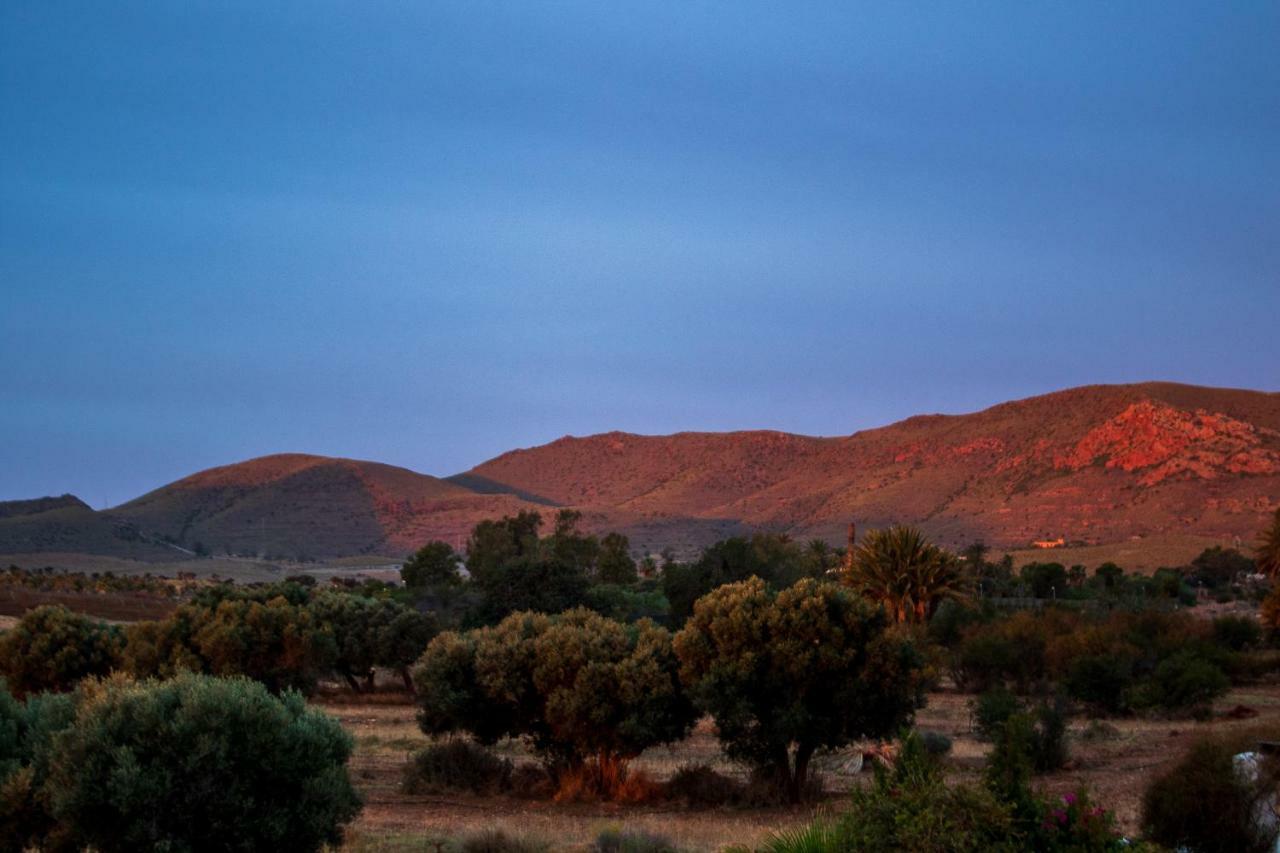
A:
<point x="51" y="649"/>
<point x="26" y="733"/>
<point x="785" y="674"/>
<point x="199" y="758"/>
<point x="1100" y="681"/>
<point x="911" y="807"/>
<point x="992" y="709"/>
<point x="1236" y="633"/>
<point x="1183" y="682"/>
<point x="1206" y="804"/>
<point x="456" y="765"/>
<point x="632" y="841"/>
<point x="935" y="743"/>
<point x="699" y="785"/>
<point x="497" y="841"/>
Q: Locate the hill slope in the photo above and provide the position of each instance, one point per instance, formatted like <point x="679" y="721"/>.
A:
<point x="1099" y="464"/>
<point x="311" y="506"/>
<point x="1092" y="464"/>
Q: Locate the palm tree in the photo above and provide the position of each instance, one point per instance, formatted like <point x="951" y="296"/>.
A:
<point x="1267" y="555"/>
<point x="901" y="569"/>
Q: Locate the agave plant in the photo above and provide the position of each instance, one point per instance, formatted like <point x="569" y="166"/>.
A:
<point x="905" y="572"/>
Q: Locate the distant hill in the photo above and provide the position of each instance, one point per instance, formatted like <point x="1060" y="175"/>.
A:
<point x="1092" y="465"/>
<point x="311" y="506"/>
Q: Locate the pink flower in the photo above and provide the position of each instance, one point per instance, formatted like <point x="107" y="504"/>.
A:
<point x="1069" y="799"/>
<point x="1060" y="815"/>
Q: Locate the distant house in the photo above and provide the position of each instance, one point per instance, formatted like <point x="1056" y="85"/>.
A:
<point x="1049" y="543"/>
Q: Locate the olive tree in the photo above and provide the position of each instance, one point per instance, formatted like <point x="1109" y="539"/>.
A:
<point x="371" y="633"/>
<point x="200" y="763"/>
<point x="583" y="689"/>
<point x="51" y="649"/>
<point x="787" y="673"/>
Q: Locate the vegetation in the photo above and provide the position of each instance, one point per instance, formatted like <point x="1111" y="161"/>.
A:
<point x="589" y="693"/>
<point x="457" y="765"/>
<point x="52" y="648"/>
<point x="1207" y="804"/>
<point x="185" y="762"/>
<point x="1268" y="553"/>
<point x="787" y="673"/>
<point x="900" y="569"/>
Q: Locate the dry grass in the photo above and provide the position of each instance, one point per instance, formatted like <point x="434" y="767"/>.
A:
<point x="1116" y="764"/>
<point x="1137" y="555"/>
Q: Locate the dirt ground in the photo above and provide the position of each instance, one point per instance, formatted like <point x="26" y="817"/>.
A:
<point x="1115" y="761"/>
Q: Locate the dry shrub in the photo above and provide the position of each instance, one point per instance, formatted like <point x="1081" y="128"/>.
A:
<point x="631" y="841"/>
<point x="608" y="780"/>
<point x="497" y="841"/>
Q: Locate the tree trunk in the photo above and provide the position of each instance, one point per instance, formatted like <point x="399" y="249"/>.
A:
<point x="368" y="680"/>
<point x="355" y="685"/>
<point x="408" y="680"/>
<point x="800" y="774"/>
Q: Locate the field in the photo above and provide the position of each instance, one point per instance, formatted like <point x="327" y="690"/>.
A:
<point x="1115" y="761"/>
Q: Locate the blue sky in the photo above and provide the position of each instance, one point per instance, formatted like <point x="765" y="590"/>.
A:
<point x="426" y="233"/>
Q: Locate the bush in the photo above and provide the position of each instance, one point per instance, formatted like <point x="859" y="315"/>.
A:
<point x="51" y="649"/>
<point x="935" y="743"/>
<point x="700" y="786"/>
<point x="1036" y="737"/>
<point x="911" y="807"/>
<point x="1205" y="804"/>
<point x="632" y="841"/>
<point x="1183" y="682"/>
<point x="992" y="709"/>
<point x="195" y="759"/>
<point x="497" y="841"/>
<point x="456" y="765"/>
<point x="1101" y="681"/>
<point x="1236" y="633"/>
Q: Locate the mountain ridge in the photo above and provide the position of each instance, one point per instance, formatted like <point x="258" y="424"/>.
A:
<point x="1091" y="464"/>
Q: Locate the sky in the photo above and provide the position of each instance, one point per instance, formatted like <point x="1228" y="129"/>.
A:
<point x="428" y="233"/>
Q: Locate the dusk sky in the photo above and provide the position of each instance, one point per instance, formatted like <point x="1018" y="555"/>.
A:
<point x="428" y="233"/>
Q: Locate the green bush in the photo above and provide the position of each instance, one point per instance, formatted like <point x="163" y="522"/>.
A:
<point x="197" y="761"/>
<point x="1100" y="681"/>
<point x="992" y="709"/>
<point x="935" y="743"/>
<point x="456" y="765"/>
<point x="497" y="841"/>
<point x="1205" y="804"/>
<point x="911" y="807"/>
<point x="51" y="649"/>
<point x="1237" y="633"/>
<point x="1184" y="682"/>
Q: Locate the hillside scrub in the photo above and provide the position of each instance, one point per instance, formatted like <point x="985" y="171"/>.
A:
<point x="787" y="673"/>
<point x="587" y="692"/>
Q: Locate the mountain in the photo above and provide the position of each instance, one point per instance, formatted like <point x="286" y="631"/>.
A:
<point x="1099" y="464"/>
<point x="1092" y="464"/>
<point x="312" y="506"/>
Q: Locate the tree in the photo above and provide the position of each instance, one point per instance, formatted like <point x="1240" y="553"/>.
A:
<point x="587" y="692"/>
<point x="371" y="633"/>
<point x="435" y="563"/>
<point x="199" y="763"/>
<point x="51" y="649"/>
<point x="534" y="583"/>
<point x="1268" y="553"/>
<point x="26" y="735"/>
<point x="787" y="673"/>
<point x="495" y="543"/>
<point x="282" y="644"/>
<point x="1046" y="580"/>
<point x="770" y="557"/>
<point x="614" y="564"/>
<point x="900" y="569"/>
<point x="1218" y="566"/>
